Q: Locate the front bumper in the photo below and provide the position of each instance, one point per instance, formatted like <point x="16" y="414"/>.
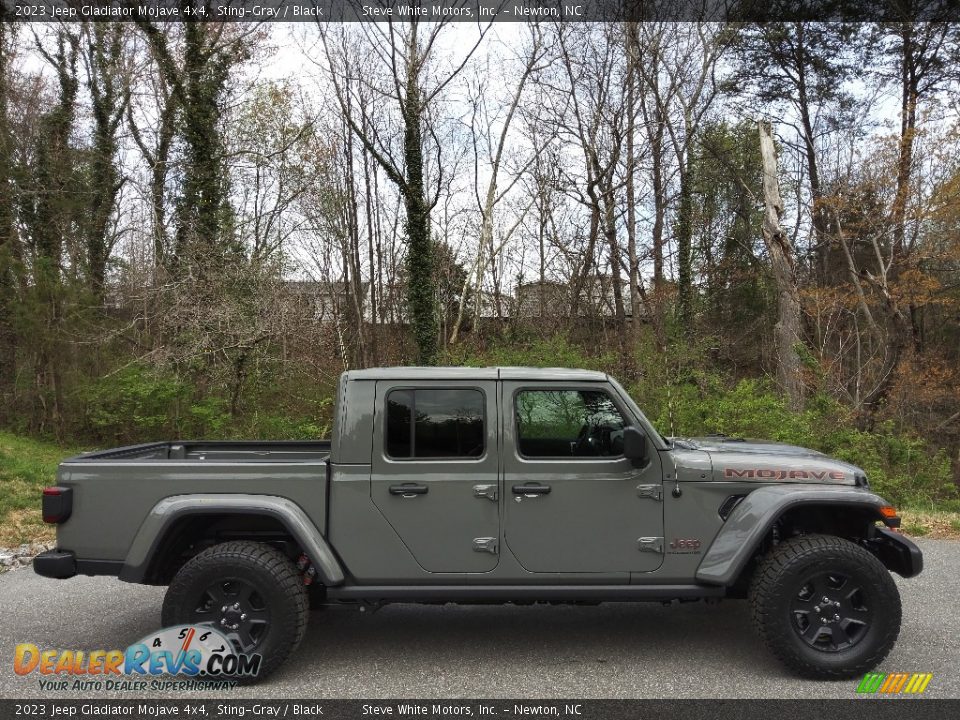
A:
<point x="896" y="552"/>
<point x="58" y="564"/>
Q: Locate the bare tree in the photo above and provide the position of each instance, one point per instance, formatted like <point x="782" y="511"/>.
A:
<point x="783" y="264"/>
<point x="592" y="119"/>
<point x="682" y="78"/>
<point x="482" y="131"/>
<point x="803" y="67"/>
<point x="403" y="56"/>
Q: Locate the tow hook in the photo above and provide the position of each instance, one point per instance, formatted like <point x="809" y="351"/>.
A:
<point x="306" y="567"/>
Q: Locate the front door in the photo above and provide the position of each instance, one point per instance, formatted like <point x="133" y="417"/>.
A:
<point x="573" y="502"/>
<point x="434" y="473"/>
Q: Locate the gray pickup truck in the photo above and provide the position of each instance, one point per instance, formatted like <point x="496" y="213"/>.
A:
<point x="490" y="485"/>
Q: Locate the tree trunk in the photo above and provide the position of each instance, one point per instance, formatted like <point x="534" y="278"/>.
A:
<point x="684" y="245"/>
<point x="54" y="168"/>
<point x="108" y="98"/>
<point x="908" y="123"/>
<point x="580" y="277"/>
<point x="784" y="271"/>
<point x="421" y="297"/>
<point x="656" y="128"/>
<point x="371" y="258"/>
<point x="610" y="230"/>
<point x="909" y="97"/>
<point x="203" y="239"/>
<point x="633" y="260"/>
<point x="8" y="344"/>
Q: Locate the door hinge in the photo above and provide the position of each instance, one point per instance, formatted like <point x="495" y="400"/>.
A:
<point x="487" y="544"/>
<point x="654" y="492"/>
<point x="486" y="491"/>
<point x="650" y="544"/>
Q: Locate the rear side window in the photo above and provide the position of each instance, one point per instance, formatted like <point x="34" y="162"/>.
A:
<point x="568" y="423"/>
<point x="435" y="423"/>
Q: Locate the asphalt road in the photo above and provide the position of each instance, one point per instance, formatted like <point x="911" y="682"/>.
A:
<point x="614" y="650"/>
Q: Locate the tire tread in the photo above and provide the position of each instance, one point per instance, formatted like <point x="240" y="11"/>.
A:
<point x="763" y="596"/>
<point x="281" y="570"/>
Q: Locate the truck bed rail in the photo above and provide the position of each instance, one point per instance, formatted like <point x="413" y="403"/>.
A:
<point x="226" y="450"/>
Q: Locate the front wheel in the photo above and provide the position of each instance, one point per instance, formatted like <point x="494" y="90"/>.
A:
<point x="250" y="592"/>
<point x="825" y="606"/>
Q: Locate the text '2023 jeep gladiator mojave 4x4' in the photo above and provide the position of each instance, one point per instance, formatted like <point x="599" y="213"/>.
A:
<point x="490" y="485"/>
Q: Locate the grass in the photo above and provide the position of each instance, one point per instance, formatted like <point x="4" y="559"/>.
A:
<point x="26" y="467"/>
<point x="931" y="523"/>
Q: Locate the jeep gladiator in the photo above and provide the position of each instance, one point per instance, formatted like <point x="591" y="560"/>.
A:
<point x="490" y="485"/>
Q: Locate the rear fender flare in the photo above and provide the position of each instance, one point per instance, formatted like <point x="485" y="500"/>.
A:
<point x="148" y="542"/>
<point x="754" y="516"/>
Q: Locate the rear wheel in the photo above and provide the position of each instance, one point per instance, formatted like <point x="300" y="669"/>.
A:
<point x="250" y="592"/>
<point x="825" y="607"/>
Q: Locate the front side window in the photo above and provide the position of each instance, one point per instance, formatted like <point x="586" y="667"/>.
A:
<point x="435" y="423"/>
<point x="568" y="423"/>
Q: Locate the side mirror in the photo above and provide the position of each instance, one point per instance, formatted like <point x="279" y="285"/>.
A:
<point x="635" y="446"/>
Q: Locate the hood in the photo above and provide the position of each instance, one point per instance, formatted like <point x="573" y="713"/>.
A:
<point x="736" y="460"/>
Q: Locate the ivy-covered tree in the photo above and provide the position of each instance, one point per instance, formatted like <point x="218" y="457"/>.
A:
<point x="108" y="85"/>
<point x="198" y="78"/>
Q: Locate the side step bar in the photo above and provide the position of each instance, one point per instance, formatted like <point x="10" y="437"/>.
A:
<point x="507" y="593"/>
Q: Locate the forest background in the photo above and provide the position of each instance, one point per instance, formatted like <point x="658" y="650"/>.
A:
<point x="755" y="227"/>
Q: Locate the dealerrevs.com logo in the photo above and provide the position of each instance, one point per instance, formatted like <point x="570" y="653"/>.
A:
<point x="196" y="652"/>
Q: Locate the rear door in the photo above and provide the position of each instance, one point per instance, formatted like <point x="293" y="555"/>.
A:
<point x="434" y="472"/>
<point x="573" y="502"/>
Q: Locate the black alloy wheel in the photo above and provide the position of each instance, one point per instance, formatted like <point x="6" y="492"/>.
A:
<point x="251" y="592"/>
<point x="830" y="612"/>
<point x="825" y="606"/>
<point x="237" y="609"/>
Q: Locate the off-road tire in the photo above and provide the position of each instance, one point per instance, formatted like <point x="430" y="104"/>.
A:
<point x="780" y="581"/>
<point x="273" y="576"/>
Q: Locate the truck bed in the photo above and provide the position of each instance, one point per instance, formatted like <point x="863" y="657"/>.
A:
<point x="226" y="450"/>
<point x="115" y="490"/>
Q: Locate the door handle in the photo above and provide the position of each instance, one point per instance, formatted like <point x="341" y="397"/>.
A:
<point x="531" y="489"/>
<point x="408" y="490"/>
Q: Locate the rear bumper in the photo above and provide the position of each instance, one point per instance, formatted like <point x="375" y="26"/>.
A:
<point x="58" y="564"/>
<point x="896" y="552"/>
<point x="63" y="564"/>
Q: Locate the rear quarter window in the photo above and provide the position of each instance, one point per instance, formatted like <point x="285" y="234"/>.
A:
<point x="435" y="423"/>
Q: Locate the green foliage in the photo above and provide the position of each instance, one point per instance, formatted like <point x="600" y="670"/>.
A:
<point x="26" y="466"/>
<point x="906" y="470"/>
<point x="915" y="529"/>
<point x="682" y="397"/>
<point x="140" y="404"/>
<point x="680" y="393"/>
<point x="292" y="428"/>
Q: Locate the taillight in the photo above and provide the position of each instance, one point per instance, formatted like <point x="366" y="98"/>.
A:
<point x="57" y="504"/>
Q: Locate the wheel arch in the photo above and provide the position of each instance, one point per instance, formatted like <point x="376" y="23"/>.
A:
<point x="754" y="522"/>
<point x="179" y="525"/>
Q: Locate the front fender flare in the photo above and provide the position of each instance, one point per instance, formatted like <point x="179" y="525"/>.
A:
<point x="147" y="543"/>
<point x="754" y="516"/>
